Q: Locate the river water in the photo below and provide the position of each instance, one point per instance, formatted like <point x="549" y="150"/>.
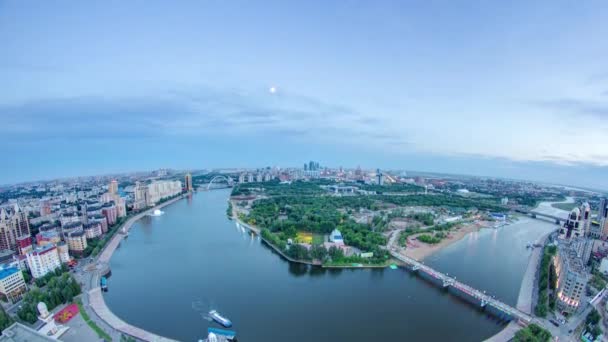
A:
<point x="173" y="268"/>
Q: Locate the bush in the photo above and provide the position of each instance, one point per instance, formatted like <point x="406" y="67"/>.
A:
<point x="59" y="289"/>
<point x="426" y="238"/>
<point x="532" y="333"/>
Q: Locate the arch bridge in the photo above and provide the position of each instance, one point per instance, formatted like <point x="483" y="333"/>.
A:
<point x="227" y="179"/>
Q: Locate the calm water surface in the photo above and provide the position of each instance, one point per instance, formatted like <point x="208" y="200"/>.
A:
<point x="172" y="269"/>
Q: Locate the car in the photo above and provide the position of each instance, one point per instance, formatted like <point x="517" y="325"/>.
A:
<point x="570" y="331"/>
<point x="554" y="322"/>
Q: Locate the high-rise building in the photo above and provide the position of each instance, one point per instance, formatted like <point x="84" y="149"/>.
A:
<point x="13" y="226"/>
<point x="92" y="230"/>
<point x="110" y="211"/>
<point x="102" y="221"/>
<point x="571" y="278"/>
<point x="188" y="180"/>
<point x="43" y="260"/>
<point x="24" y="244"/>
<point x="63" y="250"/>
<point x="573" y="226"/>
<point x="149" y="195"/>
<point x="71" y="227"/>
<point x="379" y="177"/>
<point x="602" y="211"/>
<point x="47" y="238"/>
<point x="45" y="208"/>
<point x="586" y="218"/>
<point x="119" y="202"/>
<point x="141" y="196"/>
<point x="113" y="187"/>
<point x="77" y="242"/>
<point x="602" y="217"/>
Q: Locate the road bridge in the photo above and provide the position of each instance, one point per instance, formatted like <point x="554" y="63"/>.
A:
<point x="485" y="301"/>
<point x="535" y="214"/>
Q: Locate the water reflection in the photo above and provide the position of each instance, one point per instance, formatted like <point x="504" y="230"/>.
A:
<point x="297" y="270"/>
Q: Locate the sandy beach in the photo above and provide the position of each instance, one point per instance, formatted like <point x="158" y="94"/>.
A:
<point x="419" y="250"/>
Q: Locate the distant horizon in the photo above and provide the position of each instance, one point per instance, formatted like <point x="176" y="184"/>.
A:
<point x="436" y="173"/>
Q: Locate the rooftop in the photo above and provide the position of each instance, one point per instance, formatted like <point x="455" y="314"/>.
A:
<point x="5" y="272"/>
<point x="76" y="234"/>
<point x="20" y="333"/>
<point x="568" y="253"/>
<point x="43" y="249"/>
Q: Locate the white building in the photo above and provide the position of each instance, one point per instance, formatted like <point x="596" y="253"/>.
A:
<point x="149" y="195"/>
<point x="336" y="237"/>
<point x="12" y="284"/>
<point x="572" y="277"/>
<point x="43" y="260"/>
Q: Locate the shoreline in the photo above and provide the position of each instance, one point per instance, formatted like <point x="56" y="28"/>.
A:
<point x="94" y="293"/>
<point x="425" y="250"/>
<point x="526" y="294"/>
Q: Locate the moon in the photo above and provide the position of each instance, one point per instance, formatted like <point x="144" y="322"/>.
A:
<point x="272" y="89"/>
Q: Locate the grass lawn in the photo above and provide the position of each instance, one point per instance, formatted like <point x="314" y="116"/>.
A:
<point x="304" y="237"/>
<point x="318" y="239"/>
<point x="102" y="334"/>
<point x="564" y="206"/>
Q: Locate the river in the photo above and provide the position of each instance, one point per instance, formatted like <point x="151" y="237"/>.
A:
<point x="173" y="268"/>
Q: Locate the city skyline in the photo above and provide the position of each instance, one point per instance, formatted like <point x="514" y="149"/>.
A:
<point x="513" y="91"/>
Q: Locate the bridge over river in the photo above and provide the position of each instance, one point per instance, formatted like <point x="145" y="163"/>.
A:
<point x="489" y="303"/>
<point x="558" y="218"/>
<point x="464" y="291"/>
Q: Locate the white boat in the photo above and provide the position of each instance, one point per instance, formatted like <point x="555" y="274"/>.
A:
<point x="220" y="319"/>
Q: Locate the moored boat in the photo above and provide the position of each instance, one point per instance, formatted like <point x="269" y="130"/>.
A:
<point x="104" y="283"/>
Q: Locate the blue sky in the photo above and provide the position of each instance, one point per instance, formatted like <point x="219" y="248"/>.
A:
<point x="509" y="89"/>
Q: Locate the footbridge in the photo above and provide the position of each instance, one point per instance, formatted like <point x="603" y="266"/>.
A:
<point x="488" y="303"/>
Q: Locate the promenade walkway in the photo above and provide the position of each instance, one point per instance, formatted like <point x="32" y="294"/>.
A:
<point x="99" y="306"/>
<point x="94" y="294"/>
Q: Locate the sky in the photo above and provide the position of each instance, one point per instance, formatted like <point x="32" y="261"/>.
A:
<point x="515" y="89"/>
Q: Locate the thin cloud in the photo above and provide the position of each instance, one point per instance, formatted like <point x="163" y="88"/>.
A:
<point x="579" y="107"/>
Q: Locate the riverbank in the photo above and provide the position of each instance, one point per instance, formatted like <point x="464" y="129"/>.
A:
<point x="527" y="293"/>
<point x="548" y="208"/>
<point x="424" y="250"/>
<point x="94" y="294"/>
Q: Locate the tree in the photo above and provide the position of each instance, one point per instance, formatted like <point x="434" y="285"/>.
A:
<point x="596" y="331"/>
<point x="318" y="252"/>
<point x="532" y="333"/>
<point x="298" y="252"/>
<point x="5" y="319"/>
<point x="593" y="317"/>
<point x="335" y="253"/>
